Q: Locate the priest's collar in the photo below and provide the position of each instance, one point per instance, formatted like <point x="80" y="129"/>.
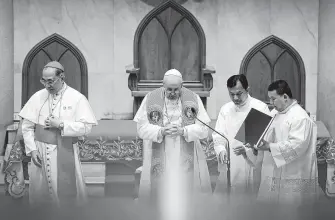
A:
<point x="244" y="104"/>
<point x="288" y="107"/>
<point x="61" y="90"/>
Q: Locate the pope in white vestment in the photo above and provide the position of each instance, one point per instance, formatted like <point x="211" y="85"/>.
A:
<point x="172" y="154"/>
<point x="289" y="169"/>
<point x="245" y="171"/>
<point x="53" y="119"/>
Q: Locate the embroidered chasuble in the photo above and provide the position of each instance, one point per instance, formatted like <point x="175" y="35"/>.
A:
<point x="162" y="154"/>
<point x="60" y="178"/>
<point x="155" y="111"/>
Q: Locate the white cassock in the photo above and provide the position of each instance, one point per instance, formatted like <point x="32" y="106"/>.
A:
<point x="75" y="112"/>
<point x="194" y="132"/>
<point x="245" y="171"/>
<point x="289" y="171"/>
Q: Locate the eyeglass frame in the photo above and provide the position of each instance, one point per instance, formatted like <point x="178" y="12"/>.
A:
<point x="239" y="95"/>
<point x="49" y="83"/>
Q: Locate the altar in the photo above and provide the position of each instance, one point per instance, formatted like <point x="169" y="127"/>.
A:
<point x="112" y="153"/>
<point x="114" y="150"/>
<point x="132" y="48"/>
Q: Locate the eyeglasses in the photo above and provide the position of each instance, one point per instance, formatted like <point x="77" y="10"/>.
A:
<point x="49" y="83"/>
<point x="237" y="94"/>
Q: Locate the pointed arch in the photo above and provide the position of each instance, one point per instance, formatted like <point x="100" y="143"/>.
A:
<point x="154" y="13"/>
<point x="155" y="3"/>
<point x="169" y="36"/>
<point x="54" y="47"/>
<point x="271" y="59"/>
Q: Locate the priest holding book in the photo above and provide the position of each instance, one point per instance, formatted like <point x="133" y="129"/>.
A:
<point x="289" y="169"/>
<point x="245" y="171"/>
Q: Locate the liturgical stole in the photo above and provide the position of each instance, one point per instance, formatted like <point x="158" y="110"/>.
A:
<point x="155" y="106"/>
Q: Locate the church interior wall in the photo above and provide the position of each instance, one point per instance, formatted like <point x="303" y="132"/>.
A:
<point x="103" y="30"/>
<point x="326" y="77"/>
<point x="242" y="24"/>
<point x="6" y="69"/>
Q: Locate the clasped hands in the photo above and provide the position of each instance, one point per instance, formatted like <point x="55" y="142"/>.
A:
<point x="52" y="122"/>
<point x="173" y="130"/>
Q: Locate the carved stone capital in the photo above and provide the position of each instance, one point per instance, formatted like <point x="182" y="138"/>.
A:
<point x="208" y="78"/>
<point x="133" y="77"/>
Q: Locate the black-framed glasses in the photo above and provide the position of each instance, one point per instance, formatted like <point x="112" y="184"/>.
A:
<point x="237" y="94"/>
<point x="49" y="82"/>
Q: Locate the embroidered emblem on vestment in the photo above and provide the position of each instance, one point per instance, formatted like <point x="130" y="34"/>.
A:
<point x="190" y="112"/>
<point x="155" y="115"/>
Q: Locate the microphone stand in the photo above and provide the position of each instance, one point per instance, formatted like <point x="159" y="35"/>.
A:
<point x="228" y="157"/>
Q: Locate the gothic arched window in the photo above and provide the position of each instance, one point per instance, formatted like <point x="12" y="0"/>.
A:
<point x="273" y="59"/>
<point x="54" y="47"/>
<point x="169" y="36"/>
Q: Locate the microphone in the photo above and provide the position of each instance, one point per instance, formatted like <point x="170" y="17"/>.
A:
<point x="193" y="115"/>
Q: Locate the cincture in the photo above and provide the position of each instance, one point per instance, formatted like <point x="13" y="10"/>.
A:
<point x="48" y="136"/>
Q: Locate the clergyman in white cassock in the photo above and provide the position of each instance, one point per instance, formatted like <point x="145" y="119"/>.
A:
<point x="171" y="140"/>
<point x="245" y="169"/>
<point x="289" y="169"/>
<point x="53" y="119"/>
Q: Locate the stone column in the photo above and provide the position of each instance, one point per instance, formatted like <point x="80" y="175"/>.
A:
<point x="326" y="68"/>
<point x="6" y="68"/>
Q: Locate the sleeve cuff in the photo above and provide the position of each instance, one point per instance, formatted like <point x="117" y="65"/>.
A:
<point x="250" y="157"/>
<point x="62" y="131"/>
<point x="159" y="136"/>
<point x="186" y="134"/>
<point x="277" y="156"/>
<point x="28" y="152"/>
<point x="250" y="152"/>
<point x="75" y="129"/>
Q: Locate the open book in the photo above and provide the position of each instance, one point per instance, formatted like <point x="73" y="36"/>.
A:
<point x="254" y="127"/>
